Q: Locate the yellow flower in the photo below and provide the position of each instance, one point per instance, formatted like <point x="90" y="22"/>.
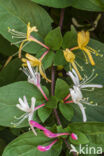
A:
<point x="83" y="40"/>
<point x="36" y="63"/>
<point x="26" y="37"/>
<point x="70" y="57"/>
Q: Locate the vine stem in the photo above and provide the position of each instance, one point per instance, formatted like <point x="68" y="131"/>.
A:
<point x="53" y="83"/>
<point x="61" y="18"/>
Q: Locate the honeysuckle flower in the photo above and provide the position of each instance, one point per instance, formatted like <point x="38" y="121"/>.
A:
<point x="26" y="37"/>
<point x="83" y="40"/>
<point x="32" y="74"/>
<point x="70" y="57"/>
<point x="84" y="83"/>
<point x="74" y="136"/>
<point x="29" y="111"/>
<point x="33" y="77"/>
<point x="78" y="99"/>
<point x="36" y="63"/>
<point x="49" y="134"/>
<point x="46" y="148"/>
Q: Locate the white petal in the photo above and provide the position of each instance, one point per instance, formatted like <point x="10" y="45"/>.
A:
<point x="92" y="86"/>
<point x="77" y="78"/>
<point x="30" y="117"/>
<point x="30" y="68"/>
<point x="83" y="111"/>
<point x="21" y="102"/>
<point x="72" y="77"/>
<point x="33" y="100"/>
<point x="21" y="108"/>
<point x="26" y="103"/>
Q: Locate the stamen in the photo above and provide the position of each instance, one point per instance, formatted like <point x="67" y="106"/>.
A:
<point x="79" y="65"/>
<point x="88" y="79"/>
<point x="18" y="123"/>
<point x="90" y="90"/>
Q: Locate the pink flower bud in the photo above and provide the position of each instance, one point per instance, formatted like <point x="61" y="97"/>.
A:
<point x="46" y="148"/>
<point x="74" y="136"/>
<point x="53" y="135"/>
<point x="37" y="125"/>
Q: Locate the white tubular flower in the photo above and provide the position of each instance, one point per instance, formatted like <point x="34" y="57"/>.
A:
<point x="29" y="111"/>
<point x="33" y="76"/>
<point x="77" y="98"/>
<point x="84" y="83"/>
<point x="24" y="106"/>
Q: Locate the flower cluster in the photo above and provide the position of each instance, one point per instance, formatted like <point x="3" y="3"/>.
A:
<point x="34" y="77"/>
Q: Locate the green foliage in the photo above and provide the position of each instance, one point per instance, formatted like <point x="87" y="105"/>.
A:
<point x="70" y="39"/>
<point x="54" y="39"/>
<point x="61" y="89"/>
<point x="54" y="3"/>
<point x="9" y="98"/>
<point x="56" y="115"/>
<point x="82" y="139"/>
<point x="27" y="143"/>
<point x="89" y="128"/>
<point x="26" y="11"/>
<point x="52" y="103"/>
<point x="44" y="113"/>
<point x="66" y="110"/>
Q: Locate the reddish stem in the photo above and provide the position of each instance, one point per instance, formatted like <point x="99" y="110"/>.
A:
<point x="39" y="106"/>
<point x="68" y="102"/>
<point x="45" y="53"/>
<point x="61" y="18"/>
<point x="37" y="41"/>
<point x="67" y="97"/>
<point x="41" y="90"/>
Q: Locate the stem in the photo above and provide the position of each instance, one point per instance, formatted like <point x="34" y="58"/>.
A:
<point x="68" y="102"/>
<point x="37" y="41"/>
<point x="67" y="97"/>
<point x="45" y="53"/>
<point x="52" y="93"/>
<point x="39" y="106"/>
<point x="61" y="18"/>
<point x="53" y="83"/>
<point x="41" y="90"/>
<point x="75" y="48"/>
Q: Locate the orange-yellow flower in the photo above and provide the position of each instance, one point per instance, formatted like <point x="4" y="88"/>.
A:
<point x="83" y="40"/>
<point x="26" y="37"/>
<point x="70" y="57"/>
<point x="36" y="63"/>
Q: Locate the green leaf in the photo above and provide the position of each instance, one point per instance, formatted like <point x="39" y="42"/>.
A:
<point x="52" y="102"/>
<point x="18" y="14"/>
<point x="44" y="113"/>
<point x="89" y="5"/>
<point x="9" y="98"/>
<point x="82" y="138"/>
<point x="6" y="48"/>
<point x="54" y="39"/>
<point x="54" y="3"/>
<point x="27" y="143"/>
<point x="2" y="145"/>
<point x="70" y="39"/>
<point x="66" y="110"/>
<point x="89" y="128"/>
<point x="59" y="58"/>
<point x="48" y="59"/>
<point x="61" y="89"/>
<point x="11" y="73"/>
